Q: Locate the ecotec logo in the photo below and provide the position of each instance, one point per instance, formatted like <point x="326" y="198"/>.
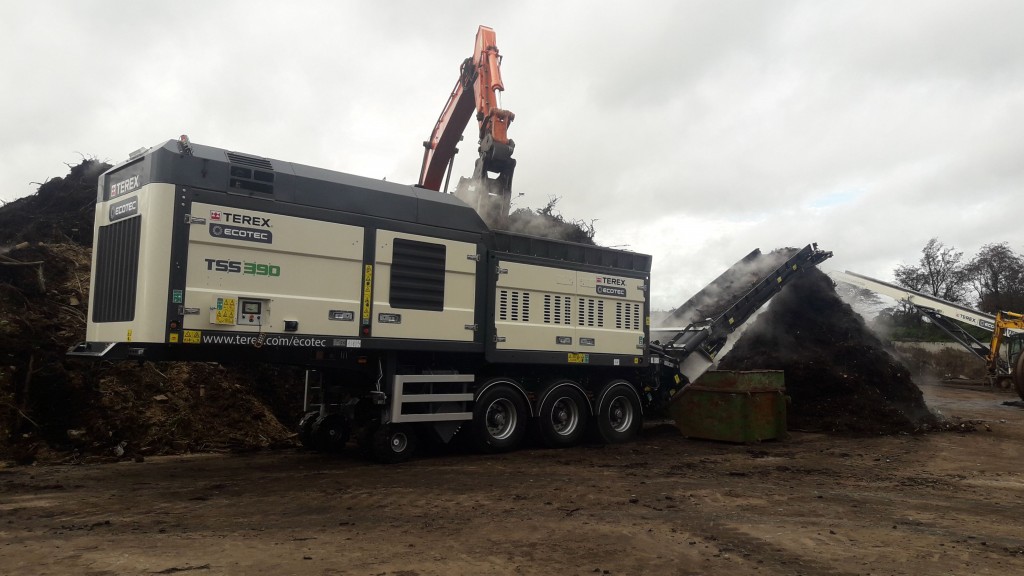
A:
<point x="241" y="233"/>
<point x="124" y="208"/>
<point x="124" y="186"/>
<point x="220" y="216"/>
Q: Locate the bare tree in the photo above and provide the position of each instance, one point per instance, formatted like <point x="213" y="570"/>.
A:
<point x="939" y="272"/>
<point x="997" y="276"/>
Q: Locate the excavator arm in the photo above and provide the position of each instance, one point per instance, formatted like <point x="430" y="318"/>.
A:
<point x="440" y="150"/>
<point x="477" y="88"/>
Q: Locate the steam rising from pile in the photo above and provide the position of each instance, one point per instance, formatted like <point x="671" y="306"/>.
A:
<point x="545" y="223"/>
<point x="732" y="284"/>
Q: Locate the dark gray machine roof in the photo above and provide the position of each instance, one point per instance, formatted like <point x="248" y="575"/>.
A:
<point x="239" y="174"/>
<point x="244" y="174"/>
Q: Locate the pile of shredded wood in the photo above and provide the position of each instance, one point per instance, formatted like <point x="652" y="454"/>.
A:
<point x="840" y="376"/>
<point x="53" y="407"/>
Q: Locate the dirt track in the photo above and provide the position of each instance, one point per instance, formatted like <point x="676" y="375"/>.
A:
<point x="946" y="503"/>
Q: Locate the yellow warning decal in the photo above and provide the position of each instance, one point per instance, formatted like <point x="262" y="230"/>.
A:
<point x="129" y="335"/>
<point x="367" y="290"/>
<point x="579" y="358"/>
<point x="225" y="311"/>
<point x="192" y="336"/>
<point x="173" y="337"/>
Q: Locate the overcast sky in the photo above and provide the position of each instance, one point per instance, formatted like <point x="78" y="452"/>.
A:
<point x="693" y="131"/>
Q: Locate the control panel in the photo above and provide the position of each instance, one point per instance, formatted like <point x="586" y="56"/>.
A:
<point x="251" y="312"/>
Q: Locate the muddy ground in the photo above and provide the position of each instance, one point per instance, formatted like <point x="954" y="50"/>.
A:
<point x="940" y="503"/>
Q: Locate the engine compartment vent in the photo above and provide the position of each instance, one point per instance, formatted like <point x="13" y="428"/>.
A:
<point x="252" y="161"/>
<point x="250" y="174"/>
<point x="117" y="271"/>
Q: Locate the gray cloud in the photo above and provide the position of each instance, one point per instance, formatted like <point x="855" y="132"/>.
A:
<point x="695" y="131"/>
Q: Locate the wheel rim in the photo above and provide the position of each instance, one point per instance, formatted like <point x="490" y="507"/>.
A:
<point x="565" y="416"/>
<point x="399" y="442"/>
<point x="501" y="419"/>
<point x="620" y="414"/>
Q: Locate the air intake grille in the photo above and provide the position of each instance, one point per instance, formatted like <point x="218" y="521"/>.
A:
<point x="513" y="306"/>
<point x="627" y="316"/>
<point x="117" y="271"/>
<point x="557" y="309"/>
<point x="252" y="161"/>
<point x="417" y="275"/>
<point x="591" y="313"/>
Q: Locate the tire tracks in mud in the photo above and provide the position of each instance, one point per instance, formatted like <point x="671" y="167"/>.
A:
<point x="731" y="540"/>
<point x="731" y="475"/>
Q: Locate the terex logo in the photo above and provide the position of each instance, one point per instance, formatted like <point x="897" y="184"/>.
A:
<point x="612" y="281"/>
<point x="233" y="218"/>
<point x="124" y="186"/>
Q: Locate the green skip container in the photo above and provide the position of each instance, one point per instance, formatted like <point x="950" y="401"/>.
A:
<point x="733" y="406"/>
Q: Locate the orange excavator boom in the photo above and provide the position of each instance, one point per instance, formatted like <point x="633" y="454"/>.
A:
<point x="478" y="87"/>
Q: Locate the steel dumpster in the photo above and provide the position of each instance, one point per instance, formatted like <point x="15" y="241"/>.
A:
<point x="733" y="406"/>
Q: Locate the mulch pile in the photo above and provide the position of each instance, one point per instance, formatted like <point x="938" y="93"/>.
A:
<point x="61" y="211"/>
<point x="546" y="223"/>
<point x="56" y="408"/>
<point x="840" y="376"/>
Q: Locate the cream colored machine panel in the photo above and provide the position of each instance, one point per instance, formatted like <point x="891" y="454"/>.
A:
<point x="548" y="309"/>
<point x="305" y="272"/>
<point x="154" y="204"/>
<point x="534" y="308"/>
<point x="610" y="314"/>
<point x="424" y="288"/>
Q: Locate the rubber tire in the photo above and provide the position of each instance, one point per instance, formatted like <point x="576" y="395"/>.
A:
<point x="1018" y="375"/>
<point x="394" y="443"/>
<point x="331" y="432"/>
<point x="559" y="396"/>
<point x="608" y="426"/>
<point x="510" y="399"/>
<point x="306" y="430"/>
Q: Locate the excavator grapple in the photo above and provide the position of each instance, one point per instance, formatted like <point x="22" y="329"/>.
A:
<point x="477" y="87"/>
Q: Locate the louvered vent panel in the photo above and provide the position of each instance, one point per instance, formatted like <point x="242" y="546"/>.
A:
<point x="117" y="271"/>
<point x="252" y="161"/>
<point x="417" y="275"/>
<point x="514" y="306"/>
<point x="557" y="309"/>
<point x="503" y="305"/>
<point x="590" y="312"/>
<point x="627" y="316"/>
